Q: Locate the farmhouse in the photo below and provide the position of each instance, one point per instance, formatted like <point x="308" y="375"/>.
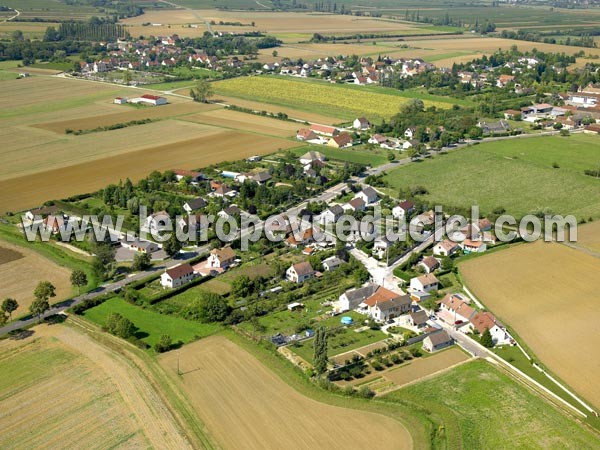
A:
<point x="437" y="341"/>
<point x="299" y="273"/>
<point x="305" y="134"/>
<point x="445" y="248"/>
<point x="424" y="283"/>
<point x="177" y="276"/>
<point x="485" y="320"/>
<point x="324" y="130"/>
<point x="361" y="124"/>
<point x="342" y="140"/>
<point x="194" y="205"/>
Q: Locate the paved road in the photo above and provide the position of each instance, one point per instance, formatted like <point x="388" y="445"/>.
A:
<point x="106" y="288"/>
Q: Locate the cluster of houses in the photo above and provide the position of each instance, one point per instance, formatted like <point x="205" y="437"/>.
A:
<point x="337" y="69"/>
<point x="148" y="55"/>
<point x="325" y="135"/>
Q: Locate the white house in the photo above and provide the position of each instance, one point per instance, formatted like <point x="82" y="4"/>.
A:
<point x="299" y="273"/>
<point x="368" y="195"/>
<point x="331" y="214"/>
<point x="177" y="276"/>
<point x="445" y="248"/>
<point x="140" y="246"/>
<point x="486" y="321"/>
<point x="424" y="283"/>
<point x="455" y="310"/>
<point x="429" y="264"/>
<point x="332" y="263"/>
<point x="361" y="124"/>
<point x="221" y="258"/>
<point x="384" y="304"/>
<point x="410" y="132"/>
<point x="403" y="209"/>
<point x="157" y="221"/>
<point x="120" y="100"/>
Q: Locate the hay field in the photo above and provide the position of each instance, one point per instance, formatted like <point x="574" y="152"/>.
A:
<point x="29" y="191"/>
<point x="20" y="271"/>
<point x="244" y="405"/>
<point x="548" y="293"/>
<point x="588" y="236"/>
<point x="127" y="114"/>
<point x="423" y="367"/>
<point x="247" y="122"/>
<point x="60" y="389"/>
<point x="290" y="111"/>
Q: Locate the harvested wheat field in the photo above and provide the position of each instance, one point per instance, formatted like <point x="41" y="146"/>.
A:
<point x="588" y="236"/>
<point x="126" y="114"/>
<point x="21" y="269"/>
<point x="244" y="405"/>
<point x="59" y="389"/>
<point x="236" y="120"/>
<point x="210" y="147"/>
<point x="547" y="293"/>
<point x="291" y="112"/>
<point x="420" y="368"/>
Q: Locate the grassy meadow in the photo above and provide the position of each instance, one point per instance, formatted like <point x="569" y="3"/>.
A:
<point x="515" y="174"/>
<point x="151" y="325"/>
<point x="493" y="411"/>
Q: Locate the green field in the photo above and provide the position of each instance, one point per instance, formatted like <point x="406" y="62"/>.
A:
<point x="360" y="155"/>
<point x="345" y="102"/>
<point x="151" y="325"/>
<point x="490" y="410"/>
<point x="515" y="174"/>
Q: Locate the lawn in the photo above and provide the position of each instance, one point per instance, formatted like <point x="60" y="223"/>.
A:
<point x="151" y="325"/>
<point x="490" y="410"/>
<point x="358" y="155"/>
<point x="344" y="102"/>
<point x="515" y="174"/>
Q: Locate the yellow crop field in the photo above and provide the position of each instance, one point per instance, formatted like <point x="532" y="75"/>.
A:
<point x="60" y="389"/>
<point x="244" y="405"/>
<point x="588" y="236"/>
<point x="20" y="271"/>
<point x="310" y="96"/>
<point x="548" y="293"/>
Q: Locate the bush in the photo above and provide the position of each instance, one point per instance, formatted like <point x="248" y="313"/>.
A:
<point x="365" y="392"/>
<point x="164" y="344"/>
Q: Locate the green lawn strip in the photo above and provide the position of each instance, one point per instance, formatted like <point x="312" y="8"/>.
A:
<point x="151" y="325"/>
<point x="493" y="411"/>
<point x="359" y="156"/>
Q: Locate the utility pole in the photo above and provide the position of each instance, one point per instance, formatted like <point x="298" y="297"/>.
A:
<point x="178" y="354"/>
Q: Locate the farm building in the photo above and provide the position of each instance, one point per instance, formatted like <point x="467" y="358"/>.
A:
<point x="361" y="124"/>
<point x="324" y="130"/>
<point x="120" y="100"/>
<point x="148" y="99"/>
<point x="342" y="140"/>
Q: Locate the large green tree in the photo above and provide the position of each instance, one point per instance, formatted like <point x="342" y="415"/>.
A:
<point x="320" y="351"/>
<point x="9" y="305"/>
<point x="486" y="339"/>
<point x="202" y="92"/>
<point x="79" y="279"/>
